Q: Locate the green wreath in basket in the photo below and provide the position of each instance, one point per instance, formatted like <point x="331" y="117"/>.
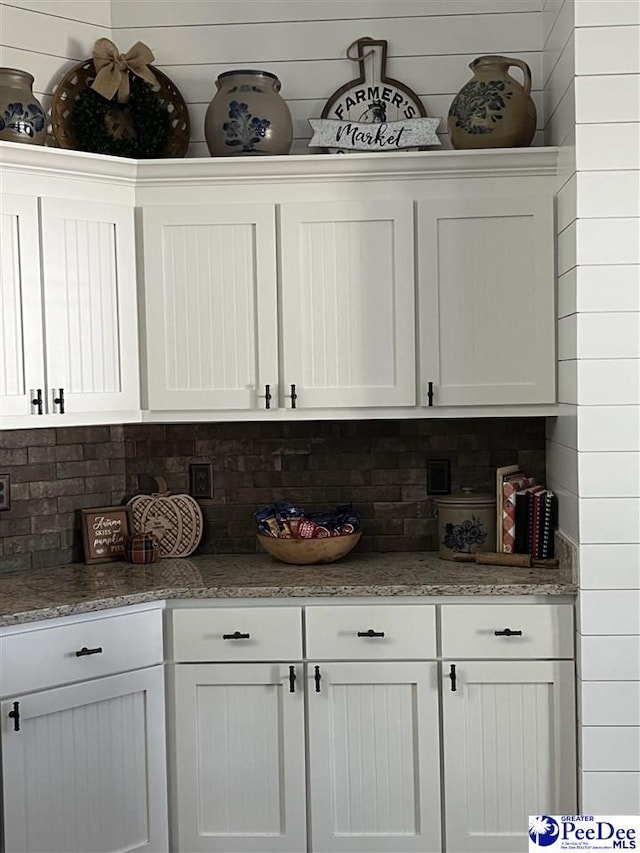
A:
<point x="137" y="124"/>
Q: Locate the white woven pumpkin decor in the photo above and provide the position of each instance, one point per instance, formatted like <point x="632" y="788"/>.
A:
<point x="175" y="520"/>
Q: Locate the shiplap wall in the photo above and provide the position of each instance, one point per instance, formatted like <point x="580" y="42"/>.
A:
<point x="594" y="447"/>
<point x="303" y="42"/>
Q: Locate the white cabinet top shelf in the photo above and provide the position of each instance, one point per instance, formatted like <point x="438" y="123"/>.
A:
<point x="513" y="162"/>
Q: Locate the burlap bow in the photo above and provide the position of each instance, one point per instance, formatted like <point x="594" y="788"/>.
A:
<point x="112" y="68"/>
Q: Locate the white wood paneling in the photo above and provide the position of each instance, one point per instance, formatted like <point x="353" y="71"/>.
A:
<point x="610" y="335"/>
<point x="567" y="248"/>
<point x="610" y="520"/>
<point x="563" y="429"/>
<point x="568" y="381"/>
<point x="609" y="382"/>
<point x="87" y="11"/>
<point x="566" y="204"/>
<point x="614" y="428"/>
<point x="608" y="146"/>
<point x="609" y="612"/>
<point x="611" y="287"/>
<point x="611" y="703"/>
<point x="563" y="462"/>
<point x="141" y="13"/>
<point x="610" y="748"/>
<point x="609" y="474"/>
<point x="612" y="566"/>
<point x="608" y="98"/>
<point x="608" y="50"/>
<point x="608" y="194"/>
<point x="609" y="658"/>
<point x="509" y="751"/>
<point x="567" y="337"/>
<point x="373" y="758"/>
<point x="595" y="13"/>
<point x="566" y="295"/>
<point x="610" y="793"/>
<point x="608" y="241"/>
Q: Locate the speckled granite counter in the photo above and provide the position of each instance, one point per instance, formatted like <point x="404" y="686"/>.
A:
<point x="76" y="588"/>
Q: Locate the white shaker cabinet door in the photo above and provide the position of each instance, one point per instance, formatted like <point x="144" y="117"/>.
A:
<point x="348" y="332"/>
<point x="90" y="309"/>
<point x="21" y="338"/>
<point x="210" y="303"/>
<point x="486" y="294"/>
<point x="84" y="767"/>
<point x="509" y="751"/>
<point x="238" y="741"/>
<point x="374" y="760"/>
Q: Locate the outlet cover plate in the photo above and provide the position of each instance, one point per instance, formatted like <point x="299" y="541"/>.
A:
<point x="438" y="476"/>
<point x="5" y="492"/>
<point x="201" y="480"/>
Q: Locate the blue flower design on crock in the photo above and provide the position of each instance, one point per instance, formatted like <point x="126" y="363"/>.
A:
<point x="28" y="120"/>
<point x="460" y="537"/>
<point x="243" y="128"/>
<point x="479" y="104"/>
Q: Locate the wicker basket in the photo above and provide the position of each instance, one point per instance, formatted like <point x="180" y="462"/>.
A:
<point x="80" y="78"/>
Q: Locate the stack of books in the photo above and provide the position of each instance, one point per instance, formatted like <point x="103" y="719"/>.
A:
<point x="526" y="514"/>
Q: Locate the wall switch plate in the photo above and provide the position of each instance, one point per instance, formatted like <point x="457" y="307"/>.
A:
<point x="438" y="476"/>
<point x="201" y="480"/>
<point x="5" y="492"/>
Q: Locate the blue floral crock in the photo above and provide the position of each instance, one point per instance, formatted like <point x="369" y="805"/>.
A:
<point x="22" y="118"/>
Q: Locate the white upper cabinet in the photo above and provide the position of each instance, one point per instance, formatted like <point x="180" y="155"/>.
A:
<point x="486" y="297"/>
<point x="347" y="303"/>
<point x="210" y="304"/>
<point x="69" y="323"/>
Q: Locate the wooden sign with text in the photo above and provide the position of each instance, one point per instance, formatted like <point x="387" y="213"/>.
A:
<point x="104" y="532"/>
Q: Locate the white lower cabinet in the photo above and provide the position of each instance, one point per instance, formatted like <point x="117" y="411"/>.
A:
<point x="239" y="781"/>
<point x="508" y="732"/>
<point x="374" y="746"/>
<point x="84" y="767"/>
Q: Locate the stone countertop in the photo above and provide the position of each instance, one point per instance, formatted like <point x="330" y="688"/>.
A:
<point x="77" y="588"/>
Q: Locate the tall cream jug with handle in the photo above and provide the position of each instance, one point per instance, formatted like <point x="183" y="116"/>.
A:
<point x="493" y="110"/>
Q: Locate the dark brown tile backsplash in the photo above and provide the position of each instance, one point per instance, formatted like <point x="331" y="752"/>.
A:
<point x="379" y="466"/>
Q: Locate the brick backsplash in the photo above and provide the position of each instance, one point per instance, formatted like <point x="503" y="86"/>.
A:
<point x="379" y="466"/>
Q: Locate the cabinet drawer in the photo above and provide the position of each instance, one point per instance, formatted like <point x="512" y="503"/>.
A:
<point x="237" y="633"/>
<point x="507" y="631"/>
<point x="348" y="633"/>
<point x="34" y="660"/>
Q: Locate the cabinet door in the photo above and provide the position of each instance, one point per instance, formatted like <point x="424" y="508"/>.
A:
<point x="210" y="303"/>
<point x="86" y="771"/>
<point x="487" y="305"/>
<point x="21" y="339"/>
<point x="509" y="751"/>
<point x="374" y="765"/>
<point x="238" y="748"/>
<point x="90" y="308"/>
<point x="348" y="303"/>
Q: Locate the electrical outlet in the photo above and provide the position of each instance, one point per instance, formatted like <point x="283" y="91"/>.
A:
<point x="201" y="480"/>
<point x="5" y="491"/>
<point x="438" y="476"/>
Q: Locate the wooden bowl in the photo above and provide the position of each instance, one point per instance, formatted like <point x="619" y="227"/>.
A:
<point x="306" y="552"/>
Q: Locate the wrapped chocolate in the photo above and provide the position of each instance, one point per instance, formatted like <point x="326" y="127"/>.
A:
<point x="284" y="520"/>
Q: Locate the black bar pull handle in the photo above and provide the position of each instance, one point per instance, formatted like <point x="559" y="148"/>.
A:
<point x="59" y="400"/>
<point x="267" y="396"/>
<point x="430" y="393"/>
<point x="453" y="677"/>
<point x="236" y="636"/>
<point x="15" y="716"/>
<point x="371" y="633"/>
<point x="293" y="396"/>
<point x="317" y="678"/>
<point x="37" y="400"/>
<point x="84" y="651"/>
<point x="292" y="679"/>
<point x="508" y="632"/>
